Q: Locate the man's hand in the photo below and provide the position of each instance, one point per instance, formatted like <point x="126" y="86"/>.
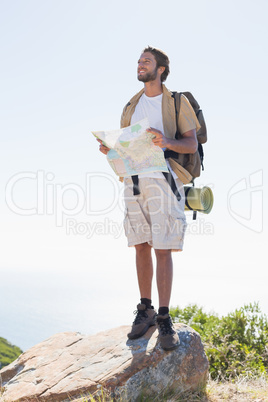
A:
<point x="103" y="148"/>
<point x="160" y="140"/>
<point x="186" y="145"/>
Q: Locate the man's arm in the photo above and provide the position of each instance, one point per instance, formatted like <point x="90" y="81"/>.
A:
<point x="186" y="145"/>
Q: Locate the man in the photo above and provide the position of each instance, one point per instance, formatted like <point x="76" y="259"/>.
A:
<point x="154" y="213"/>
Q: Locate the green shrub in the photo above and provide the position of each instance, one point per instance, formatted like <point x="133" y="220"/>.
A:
<point x="236" y="344"/>
<point x="8" y="352"/>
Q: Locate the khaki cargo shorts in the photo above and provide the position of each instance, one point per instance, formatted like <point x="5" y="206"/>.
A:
<point x="155" y="216"/>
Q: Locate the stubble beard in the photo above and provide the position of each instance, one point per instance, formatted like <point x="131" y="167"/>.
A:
<point x="148" y="76"/>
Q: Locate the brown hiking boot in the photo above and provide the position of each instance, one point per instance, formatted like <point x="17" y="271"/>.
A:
<point x="145" y="318"/>
<point x="168" y="336"/>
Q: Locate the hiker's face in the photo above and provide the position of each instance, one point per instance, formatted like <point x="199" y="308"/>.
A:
<point x="147" y="69"/>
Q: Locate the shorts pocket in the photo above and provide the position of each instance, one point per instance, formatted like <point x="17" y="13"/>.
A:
<point x="177" y="228"/>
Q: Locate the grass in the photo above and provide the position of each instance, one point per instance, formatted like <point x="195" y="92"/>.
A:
<point x="8" y="352"/>
<point x="243" y="389"/>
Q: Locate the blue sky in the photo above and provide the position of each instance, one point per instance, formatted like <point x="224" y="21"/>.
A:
<point x="68" y="68"/>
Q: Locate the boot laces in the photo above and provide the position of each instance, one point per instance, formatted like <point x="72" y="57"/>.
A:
<point x="165" y="326"/>
<point x="140" y="315"/>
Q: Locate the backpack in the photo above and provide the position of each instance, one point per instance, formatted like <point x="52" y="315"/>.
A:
<point x="188" y="166"/>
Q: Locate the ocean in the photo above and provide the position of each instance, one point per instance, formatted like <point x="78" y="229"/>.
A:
<point x="37" y="305"/>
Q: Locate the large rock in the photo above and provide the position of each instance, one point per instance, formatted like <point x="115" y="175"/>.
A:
<point x="70" y="364"/>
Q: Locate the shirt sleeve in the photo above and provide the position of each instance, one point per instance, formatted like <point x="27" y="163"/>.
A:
<point x="187" y="117"/>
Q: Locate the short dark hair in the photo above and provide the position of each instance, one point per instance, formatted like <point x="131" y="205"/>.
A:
<point x="161" y="58"/>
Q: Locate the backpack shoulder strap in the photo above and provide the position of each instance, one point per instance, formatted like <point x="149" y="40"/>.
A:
<point x="177" y="103"/>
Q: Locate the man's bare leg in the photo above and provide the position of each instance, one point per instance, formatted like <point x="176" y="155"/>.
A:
<point x="164" y="276"/>
<point x="144" y="266"/>
<point x="145" y="314"/>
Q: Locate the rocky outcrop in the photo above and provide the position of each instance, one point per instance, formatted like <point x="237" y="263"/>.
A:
<point x="69" y="365"/>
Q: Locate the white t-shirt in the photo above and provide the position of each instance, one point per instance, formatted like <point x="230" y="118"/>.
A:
<point x="151" y="107"/>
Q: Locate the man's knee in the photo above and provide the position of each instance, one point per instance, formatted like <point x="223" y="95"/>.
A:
<point x="162" y="253"/>
<point x="143" y="248"/>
